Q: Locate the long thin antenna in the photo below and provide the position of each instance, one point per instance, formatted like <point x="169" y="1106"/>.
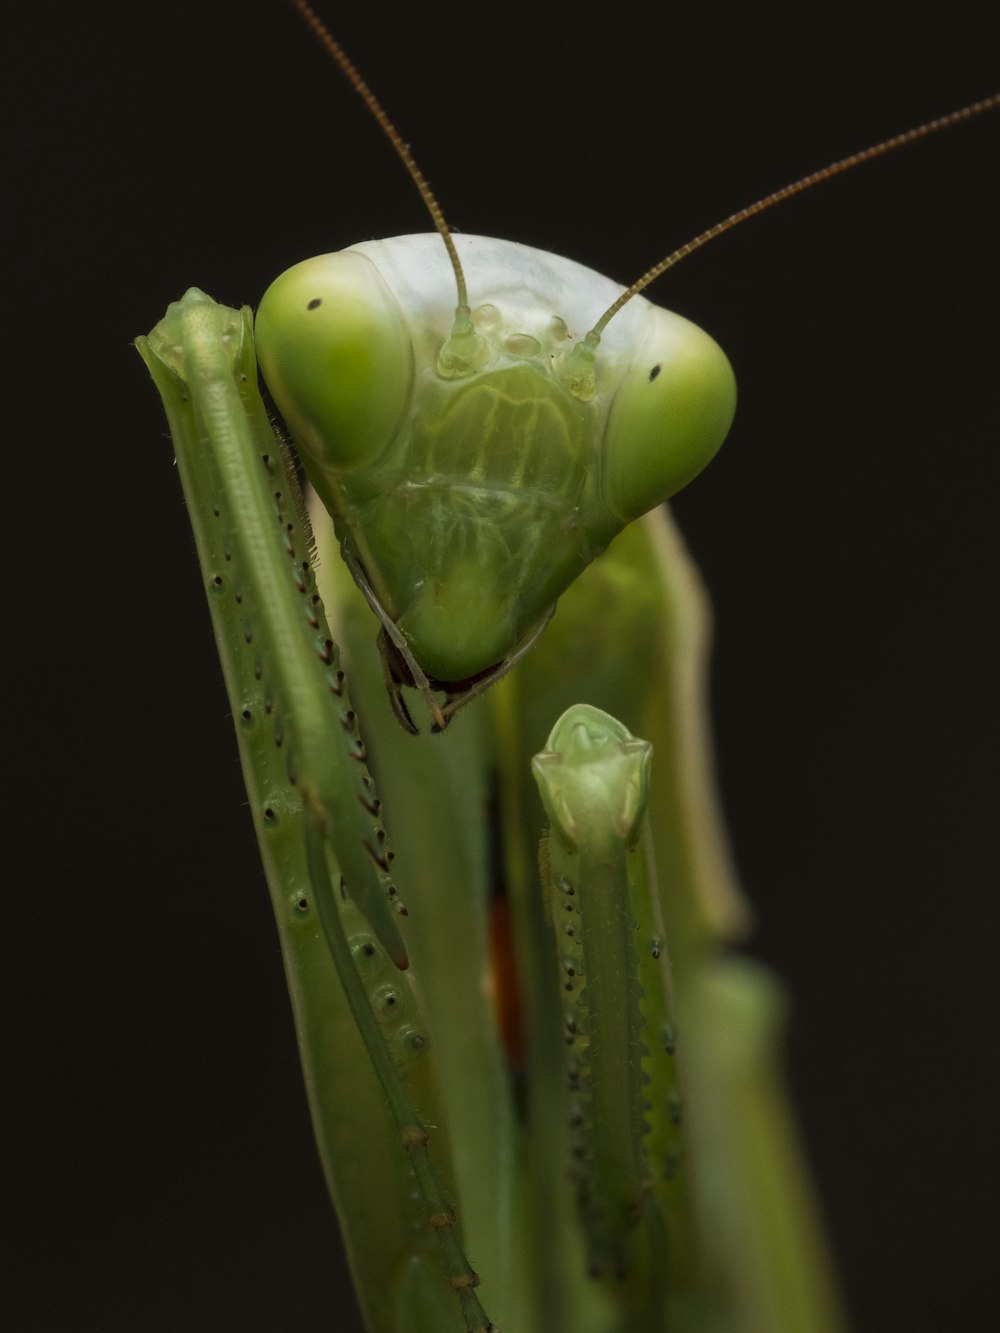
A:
<point x="336" y="51"/>
<point x="786" y="192"/>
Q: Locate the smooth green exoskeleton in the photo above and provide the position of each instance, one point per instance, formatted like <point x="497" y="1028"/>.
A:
<point x="594" y="781"/>
<point x="470" y="492"/>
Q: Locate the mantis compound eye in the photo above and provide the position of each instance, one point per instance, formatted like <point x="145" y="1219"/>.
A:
<point x="671" y="412"/>
<point x="335" y="353"/>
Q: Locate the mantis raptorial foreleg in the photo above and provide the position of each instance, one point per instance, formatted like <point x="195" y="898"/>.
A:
<point x="594" y="781"/>
<point x="315" y="806"/>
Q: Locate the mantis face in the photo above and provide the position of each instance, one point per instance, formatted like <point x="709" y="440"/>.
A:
<point x="473" y="473"/>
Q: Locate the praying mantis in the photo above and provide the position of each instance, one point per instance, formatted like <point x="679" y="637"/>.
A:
<point x="562" y="1293"/>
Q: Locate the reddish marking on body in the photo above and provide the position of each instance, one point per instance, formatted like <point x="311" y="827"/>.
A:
<point x="503" y="983"/>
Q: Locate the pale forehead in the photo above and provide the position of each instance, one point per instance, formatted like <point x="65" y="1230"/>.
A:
<point x="530" y="286"/>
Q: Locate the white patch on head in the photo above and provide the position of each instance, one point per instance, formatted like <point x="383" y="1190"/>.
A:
<point x="529" y="287"/>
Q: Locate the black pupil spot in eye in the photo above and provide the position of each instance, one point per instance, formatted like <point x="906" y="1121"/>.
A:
<point x="653" y="373"/>
<point x="314" y="304"/>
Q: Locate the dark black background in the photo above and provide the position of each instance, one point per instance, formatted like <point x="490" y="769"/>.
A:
<point x="163" y="1174"/>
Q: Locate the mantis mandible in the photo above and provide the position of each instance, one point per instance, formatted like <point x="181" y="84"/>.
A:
<point x="411" y="1069"/>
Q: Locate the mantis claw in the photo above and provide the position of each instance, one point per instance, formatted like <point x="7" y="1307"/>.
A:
<point x="401" y="668"/>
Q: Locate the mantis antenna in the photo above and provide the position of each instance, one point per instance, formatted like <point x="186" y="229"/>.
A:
<point x="577" y="370"/>
<point x="786" y="192"/>
<point x="337" y="53"/>
<point x="584" y="352"/>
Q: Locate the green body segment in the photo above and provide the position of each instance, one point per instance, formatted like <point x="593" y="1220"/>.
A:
<point x="594" y="782"/>
<point x="763" y="1248"/>
<point x="472" y="493"/>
